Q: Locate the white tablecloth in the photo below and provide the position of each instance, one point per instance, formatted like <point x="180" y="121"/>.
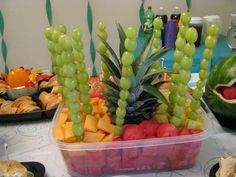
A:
<point x="31" y="142"/>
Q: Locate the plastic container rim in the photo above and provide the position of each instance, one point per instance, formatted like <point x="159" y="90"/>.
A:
<point x="133" y="143"/>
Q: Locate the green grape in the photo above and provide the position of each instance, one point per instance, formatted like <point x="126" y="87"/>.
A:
<point x="56" y="69"/>
<point x="77" y="34"/>
<point x="51" y="46"/>
<point x="58" y="48"/>
<point x="120" y="112"/>
<point x="60" y="80"/>
<point x="102" y="48"/>
<point x="175" y="78"/>
<point x="185" y="18"/>
<point x="178" y="111"/>
<point x="197" y="94"/>
<point x="157" y="33"/>
<point x="59" y="61"/>
<point x="175" y="121"/>
<point x="84" y="88"/>
<point x="154" y="50"/>
<point x="131" y="33"/>
<point x="81" y="67"/>
<point x="200" y="84"/>
<point x="193" y="115"/>
<point x="82" y="77"/>
<point x="67" y="57"/>
<point x="65" y="41"/>
<point x="55" y="35"/>
<point x="125" y="83"/>
<point x="182" y="31"/>
<point x="174" y="98"/>
<point x="72" y="96"/>
<point x="78" y="45"/>
<point x="127" y="58"/>
<point x="207" y="53"/>
<point x="182" y="89"/>
<point x="204" y="64"/>
<point x="61" y="73"/>
<point x="173" y="88"/>
<point x="194" y="105"/>
<point x="189" y="49"/>
<point x="130" y="44"/>
<point x="191" y="35"/>
<point x="127" y="71"/>
<point x="210" y="42"/>
<point x="74" y="107"/>
<point x="203" y="74"/>
<point x="69" y="70"/>
<point x="66" y="102"/>
<point x="103" y="35"/>
<point x="53" y="58"/>
<point x="186" y="63"/>
<point x="120" y="121"/>
<point x="87" y="108"/>
<point x="85" y="98"/>
<point x="180" y="43"/>
<point x="78" y="129"/>
<point x="78" y="56"/>
<point x="124" y="94"/>
<point x="60" y="90"/>
<point x="213" y="30"/>
<point x="178" y="55"/>
<point x="156" y="42"/>
<point x="176" y="67"/>
<point x="157" y="23"/>
<point x="181" y="101"/>
<point x="76" y="118"/>
<point x="66" y="91"/>
<point x="101" y="26"/>
<point x="118" y="130"/>
<point x="70" y="83"/>
<point x="48" y="32"/>
<point x="184" y="76"/>
<point x="62" y="28"/>
<point x="122" y="104"/>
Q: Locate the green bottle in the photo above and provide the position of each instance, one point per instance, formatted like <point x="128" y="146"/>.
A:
<point x="148" y="19"/>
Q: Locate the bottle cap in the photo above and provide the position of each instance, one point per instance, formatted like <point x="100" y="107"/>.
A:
<point x="196" y="20"/>
<point x="212" y="18"/>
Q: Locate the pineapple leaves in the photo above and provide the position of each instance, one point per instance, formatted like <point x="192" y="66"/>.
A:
<point x="114" y="70"/>
<point x="152" y="76"/>
<point x="111" y="51"/>
<point x="155" y="92"/>
<point x="122" y="37"/>
<point x="147" y="63"/>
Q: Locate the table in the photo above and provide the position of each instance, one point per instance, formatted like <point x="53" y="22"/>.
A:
<point x="31" y="142"/>
<point x="221" y="51"/>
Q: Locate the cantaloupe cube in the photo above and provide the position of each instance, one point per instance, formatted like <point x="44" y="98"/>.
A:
<point x="68" y="130"/>
<point x="62" y="118"/>
<point x="94" y="101"/>
<point x="101" y="131"/>
<point x="108" y="138"/>
<point x="70" y="140"/>
<point x="101" y="102"/>
<point x="97" y="116"/>
<point x="106" y="117"/>
<point x="59" y="133"/>
<point x="96" y="110"/>
<point x="105" y="126"/>
<point x="64" y="110"/>
<point x="93" y="137"/>
<point x="90" y="123"/>
<point x="104" y="109"/>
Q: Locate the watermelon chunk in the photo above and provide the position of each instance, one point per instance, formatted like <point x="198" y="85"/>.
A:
<point x="150" y="127"/>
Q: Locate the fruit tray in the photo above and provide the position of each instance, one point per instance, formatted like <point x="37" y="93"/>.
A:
<point x="136" y="156"/>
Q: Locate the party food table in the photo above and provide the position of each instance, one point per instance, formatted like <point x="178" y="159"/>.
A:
<point x="30" y="141"/>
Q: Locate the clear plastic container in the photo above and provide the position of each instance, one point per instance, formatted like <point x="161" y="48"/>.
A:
<point x="136" y="156"/>
<point x="208" y="20"/>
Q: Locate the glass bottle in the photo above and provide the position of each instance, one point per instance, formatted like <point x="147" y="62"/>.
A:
<point x="231" y="34"/>
<point x="162" y="15"/>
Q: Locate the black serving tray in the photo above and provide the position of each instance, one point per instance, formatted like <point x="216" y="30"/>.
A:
<point x="36" y="168"/>
<point x="214" y="170"/>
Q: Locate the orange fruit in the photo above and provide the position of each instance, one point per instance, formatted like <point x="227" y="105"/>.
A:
<point x="17" y="77"/>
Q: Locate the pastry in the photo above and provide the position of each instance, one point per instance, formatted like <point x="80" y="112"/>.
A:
<point x="227" y="167"/>
<point x="12" y="168"/>
<point x="49" y="100"/>
<point x="1" y="101"/>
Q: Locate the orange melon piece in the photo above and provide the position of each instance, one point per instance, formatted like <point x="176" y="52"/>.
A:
<point x="106" y="117"/>
<point x="96" y="110"/>
<point x="93" y="137"/>
<point x="68" y="131"/>
<point x="105" y="126"/>
<point x="62" y="118"/>
<point x="108" y="138"/>
<point x="90" y="123"/>
<point x="94" y="101"/>
<point x="59" y="133"/>
<point x="104" y="109"/>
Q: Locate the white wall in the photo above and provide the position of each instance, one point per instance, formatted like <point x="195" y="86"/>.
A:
<point x="25" y="21"/>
